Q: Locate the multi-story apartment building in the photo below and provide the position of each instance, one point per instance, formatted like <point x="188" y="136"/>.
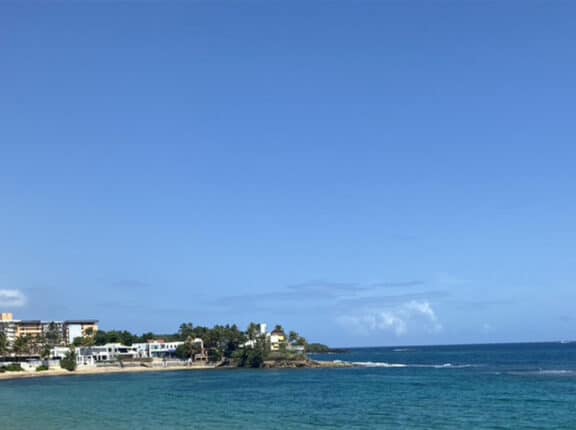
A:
<point x="61" y="332"/>
<point x="8" y="326"/>
<point x="31" y="328"/>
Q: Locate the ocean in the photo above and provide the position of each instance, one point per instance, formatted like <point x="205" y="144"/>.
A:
<point x="512" y="386"/>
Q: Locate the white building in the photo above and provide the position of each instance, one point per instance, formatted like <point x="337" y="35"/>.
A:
<point x="158" y="349"/>
<point x="78" y="328"/>
<point x="90" y="355"/>
<point x="108" y="352"/>
<point x="9" y="326"/>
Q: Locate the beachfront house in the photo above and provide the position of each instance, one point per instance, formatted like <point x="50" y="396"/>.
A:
<point x="292" y="347"/>
<point x="108" y="352"/>
<point x="90" y="355"/>
<point x="157" y="349"/>
<point x="277" y="340"/>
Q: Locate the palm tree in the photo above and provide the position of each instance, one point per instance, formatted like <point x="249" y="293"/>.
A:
<point x="253" y="331"/>
<point x="23" y="345"/>
<point x="293" y="337"/>
<point x="53" y="335"/>
<point x="3" y="344"/>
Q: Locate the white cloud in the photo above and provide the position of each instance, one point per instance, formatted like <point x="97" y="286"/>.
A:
<point x="12" y="298"/>
<point x="398" y="320"/>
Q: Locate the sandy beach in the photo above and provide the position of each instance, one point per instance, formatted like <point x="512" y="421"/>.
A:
<point x="97" y="371"/>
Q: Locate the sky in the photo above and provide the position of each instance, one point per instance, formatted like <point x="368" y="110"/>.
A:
<point x="365" y="173"/>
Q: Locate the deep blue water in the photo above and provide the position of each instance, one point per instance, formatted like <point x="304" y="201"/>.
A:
<point x="521" y="386"/>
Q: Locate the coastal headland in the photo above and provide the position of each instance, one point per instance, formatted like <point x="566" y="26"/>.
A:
<point x="34" y="348"/>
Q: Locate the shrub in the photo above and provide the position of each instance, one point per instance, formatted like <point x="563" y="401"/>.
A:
<point x="214" y="355"/>
<point x="69" y="361"/>
<point x="250" y="357"/>
<point x="13" y="367"/>
<point x="41" y="368"/>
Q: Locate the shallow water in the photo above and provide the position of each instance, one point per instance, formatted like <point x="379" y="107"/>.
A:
<point x="530" y="386"/>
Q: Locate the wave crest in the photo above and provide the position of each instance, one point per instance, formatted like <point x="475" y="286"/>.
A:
<point x="404" y="365"/>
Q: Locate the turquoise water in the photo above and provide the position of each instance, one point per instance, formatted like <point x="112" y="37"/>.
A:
<point x="468" y="387"/>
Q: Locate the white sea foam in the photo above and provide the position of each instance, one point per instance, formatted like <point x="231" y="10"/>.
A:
<point x="544" y="372"/>
<point x="403" y="365"/>
<point x="377" y="364"/>
<point x="557" y="372"/>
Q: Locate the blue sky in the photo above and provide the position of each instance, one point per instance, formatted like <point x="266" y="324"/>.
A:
<point x="367" y="173"/>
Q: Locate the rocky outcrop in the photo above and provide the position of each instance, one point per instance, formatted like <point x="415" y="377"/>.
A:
<point x="301" y="364"/>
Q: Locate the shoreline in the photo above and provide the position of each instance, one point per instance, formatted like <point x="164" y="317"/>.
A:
<point x="95" y="371"/>
<point x="92" y="371"/>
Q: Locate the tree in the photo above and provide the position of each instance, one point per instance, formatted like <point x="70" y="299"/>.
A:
<point x="69" y="361"/>
<point x="253" y="356"/>
<point x="100" y="338"/>
<point x="3" y="344"/>
<point x="214" y="355"/>
<point x="317" y="348"/>
<point x="42" y="347"/>
<point x="295" y="339"/>
<point x="23" y="345"/>
<point x="147" y="336"/>
<point x="253" y="331"/>
<point x="188" y="350"/>
<point x="186" y="331"/>
<point x="53" y="336"/>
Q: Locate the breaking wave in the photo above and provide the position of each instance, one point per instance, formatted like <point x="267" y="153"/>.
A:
<point x="403" y="365"/>
<point x="560" y="372"/>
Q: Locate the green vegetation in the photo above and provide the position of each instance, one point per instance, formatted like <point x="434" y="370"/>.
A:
<point x="3" y="344"/>
<point x="124" y="337"/>
<point x="53" y="336"/>
<point x="251" y="357"/>
<point x="41" y="368"/>
<point x="23" y="345"/>
<point x="220" y="341"/>
<point x="188" y="350"/>
<point x="13" y="367"/>
<point x="69" y="361"/>
<point x="318" y="348"/>
<point x="226" y="344"/>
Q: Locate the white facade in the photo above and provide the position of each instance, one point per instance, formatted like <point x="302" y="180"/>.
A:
<point x="59" y="352"/>
<point x="73" y="331"/>
<point x="157" y="349"/>
<point x="9" y="329"/>
<point x="89" y="355"/>
<point x="108" y="352"/>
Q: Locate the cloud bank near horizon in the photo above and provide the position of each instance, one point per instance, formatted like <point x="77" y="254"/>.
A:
<point x="12" y="298"/>
<point x="399" y="319"/>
